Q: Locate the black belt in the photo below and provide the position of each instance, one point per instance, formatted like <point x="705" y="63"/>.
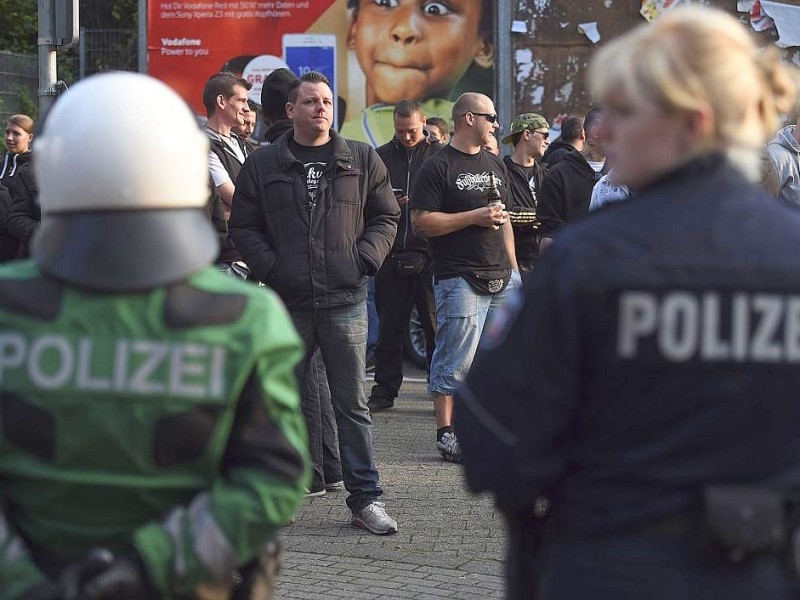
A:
<point x="680" y="525"/>
<point x="438" y="278"/>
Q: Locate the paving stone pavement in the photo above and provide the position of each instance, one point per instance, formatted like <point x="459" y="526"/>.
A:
<point x="450" y="544"/>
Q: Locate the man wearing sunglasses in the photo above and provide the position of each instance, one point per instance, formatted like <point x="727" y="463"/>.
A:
<point x="472" y="244"/>
<point x="530" y="135"/>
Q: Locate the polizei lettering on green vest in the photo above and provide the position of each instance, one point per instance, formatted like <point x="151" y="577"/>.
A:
<point x="141" y="367"/>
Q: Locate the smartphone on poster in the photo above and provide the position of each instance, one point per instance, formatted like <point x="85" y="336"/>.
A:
<point x="305" y="52"/>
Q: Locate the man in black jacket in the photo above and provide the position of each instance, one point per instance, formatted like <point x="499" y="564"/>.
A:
<point x="572" y="139"/>
<point x="313" y="216"/>
<point x="567" y="188"/>
<point x="323" y="442"/>
<point x="274" y="93"/>
<point x="405" y="277"/>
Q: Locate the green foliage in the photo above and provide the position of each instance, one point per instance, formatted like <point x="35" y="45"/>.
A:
<point x="28" y="105"/>
<point x="125" y="11"/>
<point x="19" y="21"/>
<point x="19" y="24"/>
<point x="105" y="14"/>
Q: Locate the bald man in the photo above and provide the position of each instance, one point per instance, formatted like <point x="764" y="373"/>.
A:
<point x="472" y="243"/>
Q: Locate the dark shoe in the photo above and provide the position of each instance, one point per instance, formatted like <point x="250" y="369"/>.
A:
<point x="336" y="486"/>
<point x="449" y="447"/>
<point x="370" y="362"/>
<point x="379" y="403"/>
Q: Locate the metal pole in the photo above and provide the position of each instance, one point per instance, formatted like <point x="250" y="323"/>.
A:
<point x="504" y="65"/>
<point x="47" y="57"/>
<point x="142" y="36"/>
<point x="82" y="54"/>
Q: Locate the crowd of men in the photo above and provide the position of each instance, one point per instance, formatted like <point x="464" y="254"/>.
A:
<point x="414" y="215"/>
<point x="438" y="219"/>
<point x="313" y="216"/>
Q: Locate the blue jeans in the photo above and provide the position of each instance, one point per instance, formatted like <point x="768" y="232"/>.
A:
<point x="323" y="443"/>
<point x="461" y="315"/>
<point x="373" y="327"/>
<point x="340" y="333"/>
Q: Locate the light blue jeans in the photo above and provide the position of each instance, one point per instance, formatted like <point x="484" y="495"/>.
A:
<point x="461" y="315"/>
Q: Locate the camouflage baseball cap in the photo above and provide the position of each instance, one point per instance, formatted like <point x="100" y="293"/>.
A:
<point x="525" y="121"/>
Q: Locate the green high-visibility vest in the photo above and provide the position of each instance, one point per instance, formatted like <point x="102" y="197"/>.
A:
<point x="117" y="419"/>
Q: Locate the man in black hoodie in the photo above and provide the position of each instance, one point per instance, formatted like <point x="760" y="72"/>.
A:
<point x="274" y="95"/>
<point x="572" y="139"/>
<point x="567" y="187"/>
<point x="405" y="277"/>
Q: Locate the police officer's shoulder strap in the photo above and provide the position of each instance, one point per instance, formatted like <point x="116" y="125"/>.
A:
<point x="187" y="306"/>
<point x="40" y="297"/>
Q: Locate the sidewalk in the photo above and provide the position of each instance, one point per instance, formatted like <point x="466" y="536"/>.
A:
<point x="450" y="544"/>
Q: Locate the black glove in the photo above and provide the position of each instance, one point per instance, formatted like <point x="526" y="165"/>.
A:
<point x="44" y="591"/>
<point x="99" y="575"/>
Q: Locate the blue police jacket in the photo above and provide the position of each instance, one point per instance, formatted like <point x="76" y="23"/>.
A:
<point x="655" y="349"/>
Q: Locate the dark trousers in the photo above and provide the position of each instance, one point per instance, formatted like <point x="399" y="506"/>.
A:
<point x="323" y="442"/>
<point x="656" y="568"/>
<point x="340" y="333"/>
<point x="395" y="294"/>
<point x="526" y="244"/>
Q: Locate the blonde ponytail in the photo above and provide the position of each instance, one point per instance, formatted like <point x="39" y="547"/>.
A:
<point x="780" y="87"/>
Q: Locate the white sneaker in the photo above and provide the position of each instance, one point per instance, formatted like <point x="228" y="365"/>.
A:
<point x="374" y="519"/>
<point x="313" y="493"/>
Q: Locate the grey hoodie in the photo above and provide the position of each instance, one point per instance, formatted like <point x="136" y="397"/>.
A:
<point x="784" y="151"/>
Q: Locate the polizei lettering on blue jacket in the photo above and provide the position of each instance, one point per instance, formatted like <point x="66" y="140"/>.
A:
<point x="680" y="326"/>
<point x="146" y="367"/>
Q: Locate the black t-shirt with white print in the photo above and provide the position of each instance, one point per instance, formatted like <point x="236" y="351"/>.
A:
<point x="314" y="159"/>
<point x="451" y="182"/>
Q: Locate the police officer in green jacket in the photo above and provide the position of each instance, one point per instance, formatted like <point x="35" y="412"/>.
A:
<point x="151" y="441"/>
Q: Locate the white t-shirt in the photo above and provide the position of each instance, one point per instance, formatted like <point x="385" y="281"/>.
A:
<point x="606" y="192"/>
<point x="218" y="173"/>
<point x="597" y="166"/>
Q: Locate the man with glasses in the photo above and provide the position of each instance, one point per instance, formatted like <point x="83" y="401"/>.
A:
<point x="530" y="135"/>
<point x="472" y="244"/>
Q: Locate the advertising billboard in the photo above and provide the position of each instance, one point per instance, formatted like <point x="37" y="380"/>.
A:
<point x="375" y="52"/>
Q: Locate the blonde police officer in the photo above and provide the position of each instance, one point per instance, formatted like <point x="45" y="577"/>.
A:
<point x="649" y="382"/>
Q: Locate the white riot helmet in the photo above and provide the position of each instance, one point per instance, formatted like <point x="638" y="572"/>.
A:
<point x="123" y="177"/>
